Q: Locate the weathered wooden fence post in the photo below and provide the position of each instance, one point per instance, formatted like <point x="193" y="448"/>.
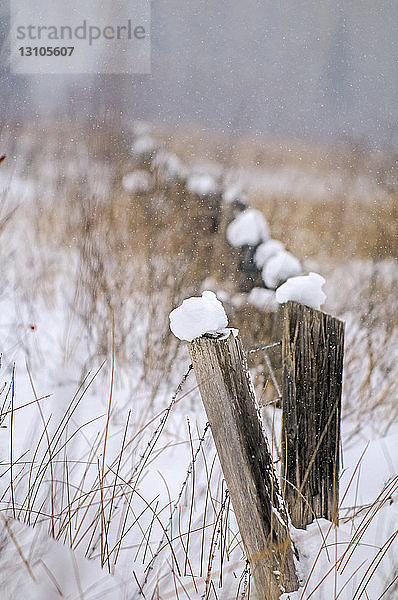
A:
<point x="312" y="357"/>
<point x="225" y="386"/>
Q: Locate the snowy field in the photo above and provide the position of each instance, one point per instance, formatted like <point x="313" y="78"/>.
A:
<point x="109" y="481"/>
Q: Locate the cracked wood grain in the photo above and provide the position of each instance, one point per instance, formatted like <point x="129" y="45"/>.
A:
<point x="312" y="357"/>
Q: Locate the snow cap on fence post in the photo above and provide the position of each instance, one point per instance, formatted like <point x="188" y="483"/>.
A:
<point x="198" y="315"/>
<point x="249" y="228"/>
<point x="304" y="289"/>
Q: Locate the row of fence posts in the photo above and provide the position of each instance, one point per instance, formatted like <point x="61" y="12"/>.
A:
<point x="312" y="366"/>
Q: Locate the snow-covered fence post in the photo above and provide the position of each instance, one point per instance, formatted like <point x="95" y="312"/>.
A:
<point x="312" y="357"/>
<point x="225" y="386"/>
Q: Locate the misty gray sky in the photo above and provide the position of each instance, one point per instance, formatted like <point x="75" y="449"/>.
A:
<point x="298" y="69"/>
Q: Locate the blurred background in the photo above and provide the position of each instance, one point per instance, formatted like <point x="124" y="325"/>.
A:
<point x="307" y="70"/>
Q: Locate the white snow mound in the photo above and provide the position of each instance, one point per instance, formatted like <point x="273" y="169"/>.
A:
<point x="249" y="228"/>
<point x="138" y="181"/>
<point x="306" y="289"/>
<point x="201" y="184"/>
<point x="279" y="268"/>
<point x="168" y="164"/>
<point x="262" y="299"/>
<point x="266" y="250"/>
<point x="198" y="315"/>
<point x="231" y="193"/>
<point x="143" y="145"/>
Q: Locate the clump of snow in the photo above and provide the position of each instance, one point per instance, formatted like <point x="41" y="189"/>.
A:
<point x="262" y="299"/>
<point x="279" y="268"/>
<point x="232" y="193"/>
<point x="306" y="289"/>
<point x="249" y="228"/>
<point x="138" y="182"/>
<point x="266" y="250"/>
<point x="168" y="164"/>
<point x="143" y="145"/>
<point x="198" y="315"/>
<point x="238" y="300"/>
<point x="201" y="184"/>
